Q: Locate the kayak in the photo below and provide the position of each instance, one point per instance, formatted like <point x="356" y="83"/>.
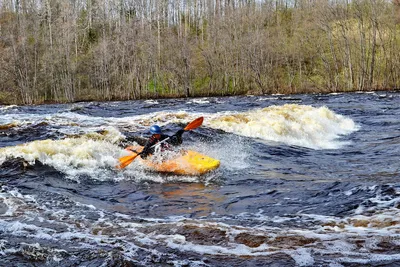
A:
<point x="186" y="162"/>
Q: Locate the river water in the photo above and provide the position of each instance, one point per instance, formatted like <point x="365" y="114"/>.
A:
<point x="305" y="180"/>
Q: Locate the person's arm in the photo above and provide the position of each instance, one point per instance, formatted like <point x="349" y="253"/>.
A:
<point x="176" y="139"/>
<point x="148" y="148"/>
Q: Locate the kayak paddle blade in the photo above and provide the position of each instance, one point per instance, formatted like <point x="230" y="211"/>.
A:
<point x="194" y="124"/>
<point x="125" y="161"/>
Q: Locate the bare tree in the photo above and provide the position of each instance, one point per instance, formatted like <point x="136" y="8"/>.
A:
<point x="64" y="51"/>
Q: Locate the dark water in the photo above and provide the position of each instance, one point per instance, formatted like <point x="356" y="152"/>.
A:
<point x="305" y="180"/>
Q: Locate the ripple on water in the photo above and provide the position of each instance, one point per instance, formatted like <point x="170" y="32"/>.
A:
<point x="310" y="184"/>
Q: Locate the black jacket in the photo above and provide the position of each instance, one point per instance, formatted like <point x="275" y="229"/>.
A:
<point x="173" y="140"/>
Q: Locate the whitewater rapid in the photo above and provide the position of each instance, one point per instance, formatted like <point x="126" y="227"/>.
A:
<point x="90" y="144"/>
<point x="305" y="180"/>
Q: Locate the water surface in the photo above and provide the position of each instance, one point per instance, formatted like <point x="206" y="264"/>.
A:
<point x="305" y="180"/>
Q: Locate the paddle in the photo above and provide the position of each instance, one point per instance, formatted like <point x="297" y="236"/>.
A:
<point x="125" y="161"/>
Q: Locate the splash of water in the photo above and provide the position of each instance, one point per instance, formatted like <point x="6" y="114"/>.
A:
<point x="92" y="153"/>
<point x="301" y="125"/>
<point x="85" y="155"/>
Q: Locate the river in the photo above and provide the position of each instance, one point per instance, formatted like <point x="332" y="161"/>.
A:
<point x="304" y="180"/>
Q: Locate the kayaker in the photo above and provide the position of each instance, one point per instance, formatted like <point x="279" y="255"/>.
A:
<point x="157" y="136"/>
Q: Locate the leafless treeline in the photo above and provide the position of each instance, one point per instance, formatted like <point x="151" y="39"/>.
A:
<point x="69" y="50"/>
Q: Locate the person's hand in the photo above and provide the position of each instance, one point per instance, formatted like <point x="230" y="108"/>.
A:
<point x="180" y="132"/>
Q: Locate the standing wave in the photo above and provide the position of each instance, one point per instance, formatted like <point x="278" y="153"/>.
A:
<point x="292" y="124"/>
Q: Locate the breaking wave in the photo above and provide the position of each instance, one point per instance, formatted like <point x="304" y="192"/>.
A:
<point x="300" y="125"/>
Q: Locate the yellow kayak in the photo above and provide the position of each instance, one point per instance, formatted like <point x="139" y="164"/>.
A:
<point x="188" y="162"/>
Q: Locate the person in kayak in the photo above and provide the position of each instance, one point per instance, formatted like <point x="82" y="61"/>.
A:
<point x="158" y="137"/>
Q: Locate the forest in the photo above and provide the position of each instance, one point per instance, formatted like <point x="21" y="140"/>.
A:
<point x="57" y="51"/>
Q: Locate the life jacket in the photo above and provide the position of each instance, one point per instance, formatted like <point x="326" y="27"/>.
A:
<point x="164" y="146"/>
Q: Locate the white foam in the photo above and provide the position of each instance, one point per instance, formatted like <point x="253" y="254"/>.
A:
<point x="340" y="246"/>
<point x="301" y="125"/>
<point x="17" y="228"/>
<point x="233" y="152"/>
<point x="293" y="124"/>
<point x="371" y="258"/>
<point x="266" y="98"/>
<point x="342" y="242"/>
<point x="302" y="256"/>
<point x="151" y="101"/>
<point x="365" y="92"/>
<point x="93" y="155"/>
<point x="3" y="246"/>
<point x="57" y="259"/>
<point x="72" y="156"/>
<point x="8" y="107"/>
<point x="335" y="93"/>
<point x="192" y="263"/>
<point x="179" y="242"/>
<point x="199" y="101"/>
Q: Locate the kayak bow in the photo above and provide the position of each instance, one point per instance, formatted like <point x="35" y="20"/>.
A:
<point x="187" y="162"/>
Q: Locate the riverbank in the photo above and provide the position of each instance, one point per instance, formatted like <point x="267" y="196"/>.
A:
<point x="94" y="99"/>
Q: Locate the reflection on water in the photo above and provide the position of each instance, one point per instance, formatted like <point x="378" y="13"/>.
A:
<point x="202" y="197"/>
